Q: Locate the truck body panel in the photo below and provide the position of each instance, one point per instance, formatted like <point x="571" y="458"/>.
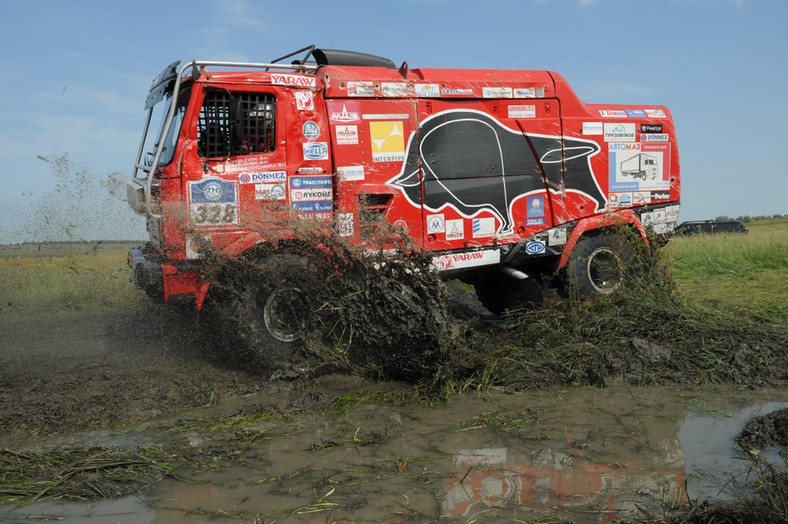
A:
<point x="485" y="168"/>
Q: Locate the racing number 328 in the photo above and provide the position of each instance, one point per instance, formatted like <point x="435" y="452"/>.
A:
<point x="214" y="214"/>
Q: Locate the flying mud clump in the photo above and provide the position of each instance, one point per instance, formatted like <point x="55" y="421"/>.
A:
<point x="315" y="303"/>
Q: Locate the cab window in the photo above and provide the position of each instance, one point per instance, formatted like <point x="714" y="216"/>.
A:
<point x="233" y="124"/>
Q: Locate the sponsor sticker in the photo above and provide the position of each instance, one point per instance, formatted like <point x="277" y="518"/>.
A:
<point x="345" y="224"/>
<point x="344" y="112"/>
<point x="269" y="191"/>
<point x="266" y="176"/>
<point x="641" y="197"/>
<point x="304" y="101"/>
<point x="350" y="173"/>
<point x="310" y="170"/>
<point x="619" y="132"/>
<point x="522" y="111"/>
<point x="556" y="237"/>
<point x="660" y="195"/>
<point x="607" y="113"/>
<point x="364" y="88"/>
<point x="593" y="128"/>
<point x="435" y="223"/>
<point x="650" y="128"/>
<point x="497" y="92"/>
<point x="293" y="80"/>
<point x="213" y="202"/>
<point x="535" y="247"/>
<point x="535" y="206"/>
<point x="465" y="260"/>
<point x="396" y="89"/>
<point x="388" y="141"/>
<point x="428" y="90"/>
<point x="315" y="151"/>
<point x="662" y="137"/>
<point x="655" y="113"/>
<point x="636" y="113"/>
<point x="312" y="207"/>
<point x="309" y="195"/>
<point x="639" y="166"/>
<point x="347" y="134"/>
<point x="455" y="229"/>
<point x="483" y="227"/>
<point x="527" y="92"/>
<point x="298" y="182"/>
<point x="452" y="91"/>
<point x="311" y="130"/>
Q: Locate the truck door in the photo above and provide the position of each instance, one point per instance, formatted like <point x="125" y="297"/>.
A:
<point x="370" y="140"/>
<point x="481" y="179"/>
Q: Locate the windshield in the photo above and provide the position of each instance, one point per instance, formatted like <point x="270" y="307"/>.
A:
<point x="157" y="120"/>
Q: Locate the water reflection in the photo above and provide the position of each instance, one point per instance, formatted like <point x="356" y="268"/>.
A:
<point x="590" y="455"/>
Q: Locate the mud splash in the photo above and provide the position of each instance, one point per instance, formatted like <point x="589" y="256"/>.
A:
<point x="586" y="455"/>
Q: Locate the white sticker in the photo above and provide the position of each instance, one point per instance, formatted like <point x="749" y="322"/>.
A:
<point x="435" y="223"/>
<point x="347" y="135"/>
<point x="350" y="173"/>
<point x="360" y="89"/>
<point x="269" y="192"/>
<point x="497" y="92"/>
<point x="428" y="90"/>
<point x="455" y="229"/>
<point x="483" y="227"/>
<point x="619" y="132"/>
<point x="592" y="128"/>
<point x="398" y="89"/>
<point x="522" y="111"/>
<point x="464" y="260"/>
<point x="345" y="224"/>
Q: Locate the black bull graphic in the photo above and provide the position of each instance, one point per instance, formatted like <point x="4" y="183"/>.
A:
<point x="472" y="162"/>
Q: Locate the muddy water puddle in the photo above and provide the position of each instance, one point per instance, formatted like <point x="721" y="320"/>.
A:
<point x="589" y="455"/>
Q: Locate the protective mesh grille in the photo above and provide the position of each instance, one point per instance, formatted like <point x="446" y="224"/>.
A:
<point x="236" y="124"/>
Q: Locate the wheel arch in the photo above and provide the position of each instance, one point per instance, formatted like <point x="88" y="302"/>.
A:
<point x="599" y="225"/>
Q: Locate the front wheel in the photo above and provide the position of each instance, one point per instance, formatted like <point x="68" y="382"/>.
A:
<point x="598" y="265"/>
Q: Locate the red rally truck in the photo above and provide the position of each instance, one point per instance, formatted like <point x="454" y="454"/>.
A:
<point x="505" y="175"/>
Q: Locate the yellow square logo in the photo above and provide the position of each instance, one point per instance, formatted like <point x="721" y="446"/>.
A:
<point x="388" y="141"/>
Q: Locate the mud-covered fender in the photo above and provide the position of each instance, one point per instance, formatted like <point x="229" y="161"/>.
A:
<point x="617" y="218"/>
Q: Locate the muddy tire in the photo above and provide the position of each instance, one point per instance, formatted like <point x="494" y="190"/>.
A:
<point x="265" y="308"/>
<point x="499" y="292"/>
<point x="598" y="266"/>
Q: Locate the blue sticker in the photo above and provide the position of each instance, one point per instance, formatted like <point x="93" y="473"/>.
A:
<point x="213" y="191"/>
<point x="301" y="182"/>
<point x="311" y="130"/>
<point x="535" y="206"/>
<point x="313" y="207"/>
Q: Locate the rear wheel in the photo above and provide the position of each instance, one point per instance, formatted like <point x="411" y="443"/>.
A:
<point x="598" y="265"/>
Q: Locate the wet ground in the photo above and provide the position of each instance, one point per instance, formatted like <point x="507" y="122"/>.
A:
<point x="585" y="454"/>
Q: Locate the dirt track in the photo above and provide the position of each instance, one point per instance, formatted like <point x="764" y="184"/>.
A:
<point x="66" y="371"/>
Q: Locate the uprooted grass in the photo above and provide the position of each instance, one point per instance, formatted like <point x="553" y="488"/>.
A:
<point x="648" y="334"/>
<point x="81" y="473"/>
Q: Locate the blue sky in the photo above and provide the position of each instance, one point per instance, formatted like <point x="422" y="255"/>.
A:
<point x="75" y="75"/>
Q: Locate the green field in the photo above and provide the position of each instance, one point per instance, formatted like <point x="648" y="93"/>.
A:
<point x="745" y="273"/>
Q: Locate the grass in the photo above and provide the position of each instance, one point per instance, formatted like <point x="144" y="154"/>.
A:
<point x="75" y="278"/>
<point x="746" y="274"/>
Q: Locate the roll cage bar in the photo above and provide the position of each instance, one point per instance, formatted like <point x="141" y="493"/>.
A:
<point x="170" y="81"/>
